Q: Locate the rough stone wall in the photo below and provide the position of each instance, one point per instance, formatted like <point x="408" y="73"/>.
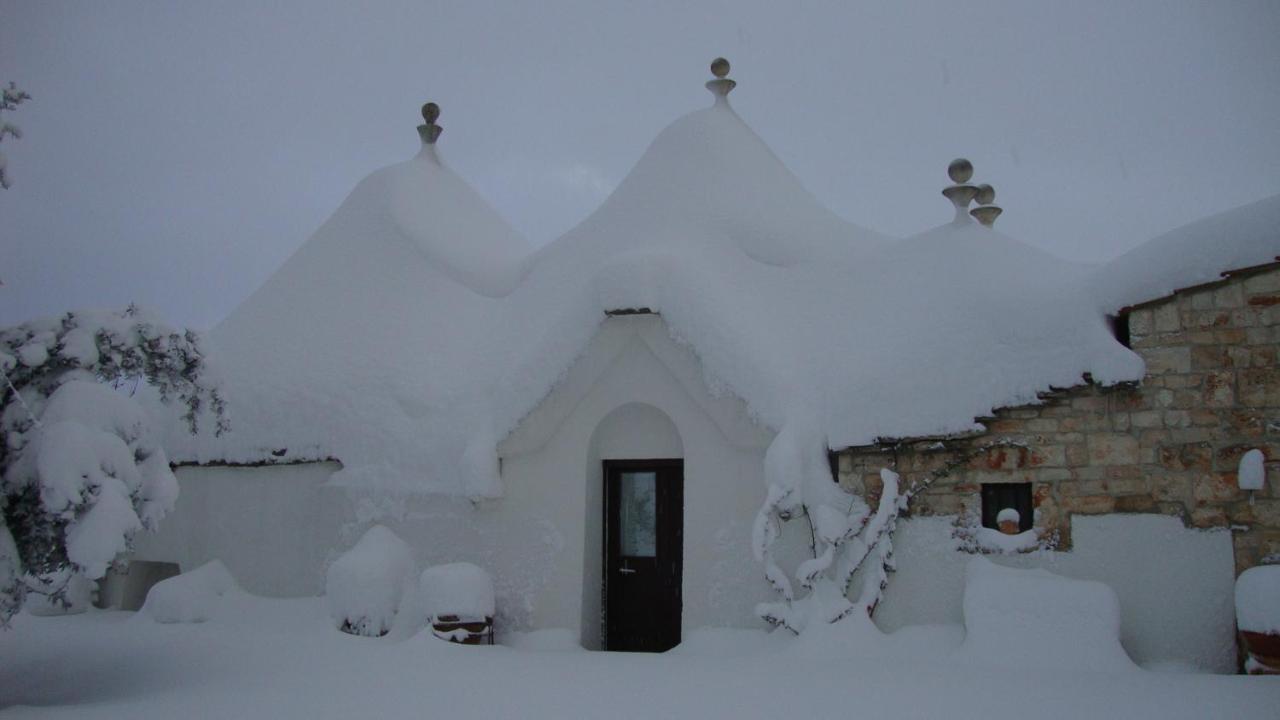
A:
<point x="1170" y="444"/>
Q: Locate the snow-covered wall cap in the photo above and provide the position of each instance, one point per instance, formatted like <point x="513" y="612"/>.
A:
<point x="429" y="131"/>
<point x="722" y="85"/>
<point x="1191" y="255"/>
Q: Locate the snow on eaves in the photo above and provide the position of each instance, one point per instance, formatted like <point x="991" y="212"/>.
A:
<point x="1193" y="254"/>
<point x="410" y="333"/>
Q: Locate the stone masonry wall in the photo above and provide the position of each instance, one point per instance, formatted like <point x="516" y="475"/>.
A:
<point x="1170" y="444"/>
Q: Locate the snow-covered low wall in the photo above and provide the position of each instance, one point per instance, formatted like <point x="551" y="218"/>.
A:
<point x="1174" y="583"/>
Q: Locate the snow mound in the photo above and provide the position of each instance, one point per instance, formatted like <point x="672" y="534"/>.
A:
<point x="1258" y="599"/>
<point x="460" y="589"/>
<point x="365" y="584"/>
<point x="1019" y="618"/>
<point x="191" y="597"/>
<point x="410" y="355"/>
<point x="545" y="640"/>
<point x="1193" y="254"/>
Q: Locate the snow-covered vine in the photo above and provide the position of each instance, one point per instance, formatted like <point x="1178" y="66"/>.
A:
<point x="847" y="536"/>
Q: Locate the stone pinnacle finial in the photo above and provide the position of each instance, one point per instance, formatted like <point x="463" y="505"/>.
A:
<point x="986" y="213"/>
<point x="961" y="193"/>
<point x="722" y="85"/>
<point x="430" y="131"/>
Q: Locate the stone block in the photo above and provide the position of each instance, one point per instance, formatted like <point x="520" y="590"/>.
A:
<point x="1113" y="449"/>
<point x="1190" y="456"/>
<point x="1140" y="322"/>
<point x="1089" y="504"/>
<point x="1146" y="419"/>
<point x="1215" y="489"/>
<point x="1208" y="517"/>
<point x="1228" y="296"/>
<point x="1219" y="389"/>
<point x="1165" y="318"/>
<point x="1260" y="387"/>
<point x="1177" y="419"/>
<point x="1170" y="487"/>
<point x="1208" y="357"/>
<point x="1135" y="504"/>
<point x="1076" y="454"/>
<point x="1164" y="360"/>
<point x="1267" y="282"/>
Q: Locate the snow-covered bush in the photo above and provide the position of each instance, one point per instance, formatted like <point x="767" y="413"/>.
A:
<point x="461" y="590"/>
<point x="365" y="584"/>
<point x="190" y="597"/>
<point x="80" y="471"/>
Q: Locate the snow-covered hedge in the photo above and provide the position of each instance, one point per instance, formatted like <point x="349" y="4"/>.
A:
<point x="459" y="589"/>
<point x="190" y="597"/>
<point x="1014" y="617"/>
<point x="365" y="584"/>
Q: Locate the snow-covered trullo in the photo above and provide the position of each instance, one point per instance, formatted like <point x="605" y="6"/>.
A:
<point x="632" y="428"/>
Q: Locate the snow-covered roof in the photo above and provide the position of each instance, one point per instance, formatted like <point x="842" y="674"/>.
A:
<point x="412" y="332"/>
<point x="1193" y="254"/>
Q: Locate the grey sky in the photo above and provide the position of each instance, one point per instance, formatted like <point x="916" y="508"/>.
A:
<point x="177" y="152"/>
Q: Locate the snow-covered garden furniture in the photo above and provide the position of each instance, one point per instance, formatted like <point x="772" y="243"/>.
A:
<point x="1258" y="617"/>
<point x="458" y="599"/>
<point x="191" y="597"/>
<point x="365" y="584"/>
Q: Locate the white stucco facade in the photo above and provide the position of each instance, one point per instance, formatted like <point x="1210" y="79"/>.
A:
<point x="633" y="394"/>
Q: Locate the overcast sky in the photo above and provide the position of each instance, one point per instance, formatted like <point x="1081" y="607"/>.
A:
<point x="175" y="153"/>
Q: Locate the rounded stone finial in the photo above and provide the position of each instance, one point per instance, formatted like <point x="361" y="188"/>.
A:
<point x="720" y="67"/>
<point x="986" y="194"/>
<point x="430" y="112"/>
<point x="960" y="170"/>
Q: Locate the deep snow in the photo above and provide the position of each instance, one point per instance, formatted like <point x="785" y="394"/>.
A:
<point x="262" y="658"/>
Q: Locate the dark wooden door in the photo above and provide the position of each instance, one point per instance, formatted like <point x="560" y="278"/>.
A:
<point x="644" y="549"/>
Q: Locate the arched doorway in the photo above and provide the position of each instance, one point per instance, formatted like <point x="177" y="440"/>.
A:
<point x="640" y="506"/>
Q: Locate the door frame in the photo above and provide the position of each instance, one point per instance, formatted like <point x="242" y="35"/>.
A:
<point x="670" y="539"/>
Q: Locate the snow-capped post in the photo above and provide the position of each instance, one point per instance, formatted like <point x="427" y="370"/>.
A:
<point x="722" y="85"/>
<point x="10" y="98"/>
<point x="961" y="193"/>
<point x="429" y="131"/>
<point x="80" y="470"/>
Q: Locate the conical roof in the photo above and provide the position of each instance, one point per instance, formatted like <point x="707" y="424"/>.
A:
<point x="407" y="336"/>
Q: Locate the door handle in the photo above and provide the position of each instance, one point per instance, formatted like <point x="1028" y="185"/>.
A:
<point x="626" y="571"/>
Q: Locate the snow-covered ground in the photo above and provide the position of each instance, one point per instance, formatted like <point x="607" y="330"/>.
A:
<point x="270" y="658"/>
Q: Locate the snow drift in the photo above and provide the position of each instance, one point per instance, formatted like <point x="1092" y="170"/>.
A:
<point x="191" y="597"/>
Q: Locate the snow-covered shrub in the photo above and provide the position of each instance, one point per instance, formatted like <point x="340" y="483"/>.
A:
<point x="76" y="597"/>
<point x="461" y="590"/>
<point x="1258" y="599"/>
<point x="365" y="584"/>
<point x="10" y="98"/>
<point x="190" y="597"/>
<point x="80" y="472"/>
<point x="1024" y="618"/>
<point x="847" y="536"/>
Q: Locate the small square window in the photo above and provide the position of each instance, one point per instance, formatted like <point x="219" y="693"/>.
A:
<point x="1004" y="496"/>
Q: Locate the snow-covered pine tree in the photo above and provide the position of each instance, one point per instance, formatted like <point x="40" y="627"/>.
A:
<point x="80" y="472"/>
<point x="846" y="536"/>
<point x="10" y="98"/>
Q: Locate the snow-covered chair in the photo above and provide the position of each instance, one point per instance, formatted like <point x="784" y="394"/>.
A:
<point x="365" y="584"/>
<point x="459" y="602"/>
